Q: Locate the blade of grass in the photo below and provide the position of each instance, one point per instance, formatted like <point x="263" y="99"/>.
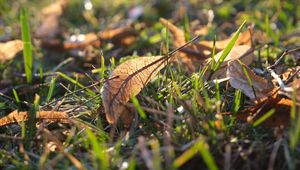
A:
<point x="199" y="147"/>
<point x="237" y="101"/>
<point x="294" y="131"/>
<point x="186" y="27"/>
<point x="268" y="32"/>
<point x="156" y="154"/>
<point x="16" y="96"/>
<point x="248" y="77"/>
<point x="31" y="128"/>
<point x="138" y="107"/>
<point x="227" y="50"/>
<point x="98" y="150"/>
<point x="51" y="89"/>
<point x="27" y="52"/>
<point x="218" y="96"/>
<point x="89" y="92"/>
<point x="213" y="61"/>
<point x="264" y="117"/>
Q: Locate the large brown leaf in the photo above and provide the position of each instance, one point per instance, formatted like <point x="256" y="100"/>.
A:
<point x="126" y="81"/>
<point x="241" y="77"/>
<point x="8" y="50"/>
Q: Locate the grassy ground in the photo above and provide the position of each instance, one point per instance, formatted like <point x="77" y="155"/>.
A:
<point x="188" y="138"/>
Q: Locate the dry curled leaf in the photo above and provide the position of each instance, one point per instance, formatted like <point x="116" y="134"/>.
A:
<point x="241" y="77"/>
<point x="16" y="116"/>
<point x="8" y="50"/>
<point x="126" y="81"/>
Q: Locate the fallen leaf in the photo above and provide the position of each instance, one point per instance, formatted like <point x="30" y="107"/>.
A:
<point x="16" y="116"/>
<point x="241" y="77"/>
<point x="190" y="63"/>
<point x="242" y="52"/>
<point x="84" y="41"/>
<point x="280" y="117"/>
<point x="289" y="90"/>
<point x="8" y="50"/>
<point x="49" y="28"/>
<point x="126" y="81"/>
<point x="55" y="8"/>
<point x="243" y="39"/>
<point x="289" y="72"/>
<point x="124" y="35"/>
<point x="192" y="57"/>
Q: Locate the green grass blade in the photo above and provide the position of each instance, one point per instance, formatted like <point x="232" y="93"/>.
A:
<point x="218" y="96"/>
<point x="167" y="38"/>
<point x="51" y="89"/>
<point x="186" y="27"/>
<point x="132" y="164"/>
<point x="213" y="61"/>
<point x="138" y="107"/>
<point x="264" y="117"/>
<point x="228" y="47"/>
<point x="237" y="101"/>
<point x="98" y="149"/>
<point x="199" y="146"/>
<point x="248" y="77"/>
<point x="16" y="96"/>
<point x="31" y="128"/>
<point x="89" y="92"/>
<point x="27" y="52"/>
<point x="207" y="156"/>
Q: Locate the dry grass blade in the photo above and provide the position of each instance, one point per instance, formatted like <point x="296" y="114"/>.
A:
<point x="16" y="116"/>
<point x="8" y="50"/>
<point x="243" y="78"/>
<point x="127" y="80"/>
